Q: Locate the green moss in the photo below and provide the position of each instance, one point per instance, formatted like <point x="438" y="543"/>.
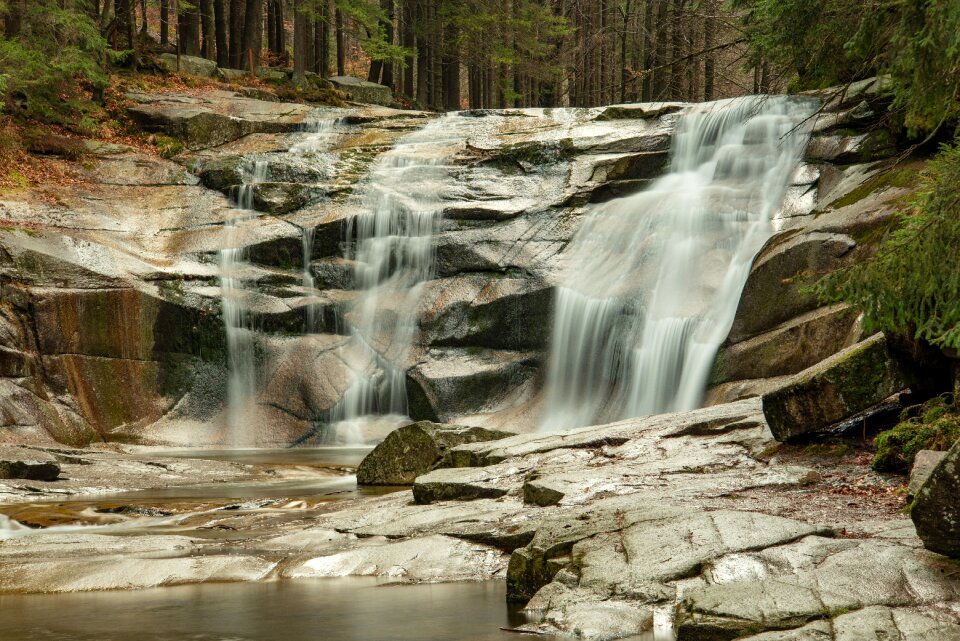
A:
<point x="832" y="449"/>
<point x="935" y="425"/>
<point x="901" y="177"/>
<point x="166" y="146"/>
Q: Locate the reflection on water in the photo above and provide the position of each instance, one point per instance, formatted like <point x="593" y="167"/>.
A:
<point x="314" y="610"/>
<point x="314" y="456"/>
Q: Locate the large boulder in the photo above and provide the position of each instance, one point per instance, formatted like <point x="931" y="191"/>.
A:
<point x="936" y="511"/>
<point x="29" y="470"/>
<point x="363" y="91"/>
<point x="835" y="389"/>
<point x="776" y="289"/>
<point x="416" y="449"/>
<point x="190" y="65"/>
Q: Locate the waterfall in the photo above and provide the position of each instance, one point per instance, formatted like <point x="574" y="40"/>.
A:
<point x="323" y="134"/>
<point x="391" y="247"/>
<point x="241" y="352"/>
<point x="653" y="280"/>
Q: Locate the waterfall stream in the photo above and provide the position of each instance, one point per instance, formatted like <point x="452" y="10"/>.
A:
<point x="391" y="246"/>
<point x="241" y="356"/>
<point x="654" y="279"/>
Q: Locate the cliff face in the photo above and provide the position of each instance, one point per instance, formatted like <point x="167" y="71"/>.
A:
<point x="111" y="324"/>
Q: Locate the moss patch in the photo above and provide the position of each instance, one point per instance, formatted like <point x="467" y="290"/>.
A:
<point x="935" y="425"/>
<point x="903" y="177"/>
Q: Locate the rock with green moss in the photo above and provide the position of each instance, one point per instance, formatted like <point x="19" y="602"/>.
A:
<point x="363" y="91"/>
<point x="833" y="390"/>
<point x="936" y="511"/>
<point x="190" y="65"/>
<point x="222" y="172"/>
<point x="924" y="463"/>
<point x="416" y="449"/>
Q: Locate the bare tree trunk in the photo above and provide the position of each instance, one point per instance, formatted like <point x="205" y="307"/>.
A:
<point x="649" y="25"/>
<point x="323" y="27"/>
<point x="341" y="44"/>
<point x="710" y="60"/>
<point x="300" y="43"/>
<point x="408" y="40"/>
<point x="143" y="17"/>
<point x="253" y="30"/>
<point x="236" y="34"/>
<point x="220" y="29"/>
<point x="164" y="22"/>
<point x="13" y="21"/>
<point x="451" y="70"/>
<point x="208" y="44"/>
<point x="388" y="9"/>
<point x="188" y="24"/>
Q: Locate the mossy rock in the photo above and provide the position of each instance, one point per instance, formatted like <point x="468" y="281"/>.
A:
<point x="222" y="173"/>
<point x="839" y="387"/>
<point x="415" y="449"/>
<point x="936" y="510"/>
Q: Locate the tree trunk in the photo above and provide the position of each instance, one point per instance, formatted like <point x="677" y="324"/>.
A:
<point x="709" y="60"/>
<point x="13" y="21"/>
<point x="649" y="25"/>
<point x="341" y="44"/>
<point x="408" y="40"/>
<point x="208" y="44"/>
<point x="220" y="32"/>
<point x="300" y="43"/>
<point x="323" y="33"/>
<point x="387" y="6"/>
<point x="188" y="25"/>
<point x="676" y="51"/>
<point x="253" y="30"/>
<point x="164" y="22"/>
<point x="661" y="77"/>
<point x="236" y="34"/>
<point x="451" y="70"/>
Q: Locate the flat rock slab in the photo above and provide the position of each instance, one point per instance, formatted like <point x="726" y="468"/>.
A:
<point x="216" y="118"/>
<point x="789" y="586"/>
<point x="835" y="389"/>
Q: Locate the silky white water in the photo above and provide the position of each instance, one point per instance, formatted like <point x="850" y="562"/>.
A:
<point x="653" y="280"/>
<point x="391" y="244"/>
<point x="241" y="357"/>
<point x="323" y="135"/>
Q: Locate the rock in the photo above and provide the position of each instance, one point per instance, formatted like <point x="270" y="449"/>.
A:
<point x="790" y="348"/>
<point x="282" y="198"/>
<point x="214" y="119"/>
<point x="363" y="91"/>
<point x="190" y="65"/>
<point x="231" y="75"/>
<point x="773" y="293"/>
<point x="936" y="511"/>
<point x="642" y="111"/>
<point x="835" y="389"/>
<point x="788" y="586"/>
<point x="222" y="172"/>
<point x="451" y="382"/>
<point x="848" y="149"/>
<point x="415" y="449"/>
<point x="30" y="470"/>
<point x="923" y="465"/>
<point x="427" y="559"/>
<point x="271" y="75"/>
<point x="319" y="81"/>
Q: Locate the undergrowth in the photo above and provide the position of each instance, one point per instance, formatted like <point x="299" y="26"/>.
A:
<point x="935" y="425"/>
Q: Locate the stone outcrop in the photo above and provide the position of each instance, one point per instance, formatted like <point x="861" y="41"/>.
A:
<point x="415" y="449"/>
<point x="835" y="389"/>
<point x="924" y="463"/>
<point x="363" y="91"/>
<point x="935" y="510"/>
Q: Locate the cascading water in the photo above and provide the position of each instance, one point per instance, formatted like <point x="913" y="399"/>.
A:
<point x="392" y="250"/>
<point x="241" y="357"/>
<point x="654" y="279"/>
<point x="323" y="134"/>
